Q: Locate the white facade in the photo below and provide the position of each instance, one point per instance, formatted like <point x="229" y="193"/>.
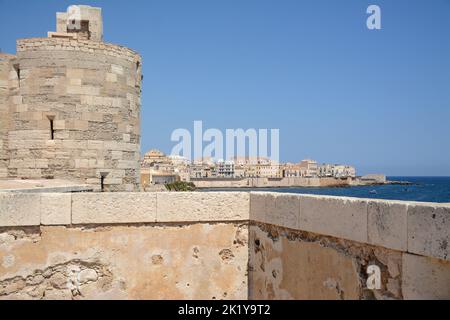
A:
<point x="225" y="168"/>
<point x="337" y="171"/>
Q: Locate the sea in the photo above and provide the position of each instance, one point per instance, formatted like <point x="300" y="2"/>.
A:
<point x="423" y="189"/>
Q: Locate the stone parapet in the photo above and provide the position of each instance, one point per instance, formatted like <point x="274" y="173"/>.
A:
<point x="300" y="246"/>
<point x="413" y="227"/>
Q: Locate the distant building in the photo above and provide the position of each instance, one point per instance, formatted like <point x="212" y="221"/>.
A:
<point x="309" y="167"/>
<point x="151" y="176"/>
<point x="253" y="167"/>
<point x="270" y="170"/>
<point x="225" y="168"/>
<point x="239" y="171"/>
<point x="337" y="171"/>
<point x="291" y="170"/>
<point x="201" y="170"/>
<point x="157" y="168"/>
<point x="154" y="157"/>
<point x="344" y="171"/>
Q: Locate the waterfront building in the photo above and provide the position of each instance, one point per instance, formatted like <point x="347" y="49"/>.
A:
<point x="291" y="170"/>
<point x="157" y="168"/>
<point x="336" y="171"/>
<point x="309" y="167"/>
<point x="225" y="168"/>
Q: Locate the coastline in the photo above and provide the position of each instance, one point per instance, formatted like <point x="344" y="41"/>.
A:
<point x="255" y="183"/>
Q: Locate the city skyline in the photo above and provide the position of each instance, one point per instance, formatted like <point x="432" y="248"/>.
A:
<point x="338" y="92"/>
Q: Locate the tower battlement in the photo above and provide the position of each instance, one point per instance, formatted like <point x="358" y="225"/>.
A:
<point x="81" y="22"/>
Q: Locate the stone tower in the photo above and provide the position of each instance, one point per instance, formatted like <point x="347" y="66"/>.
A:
<point x="70" y="106"/>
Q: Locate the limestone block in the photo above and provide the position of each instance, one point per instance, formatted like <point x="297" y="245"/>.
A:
<point x="21" y="108"/>
<point x="74" y="73"/>
<point x="81" y="163"/>
<point x="81" y="125"/>
<point x="96" y="163"/>
<point x="75" y="82"/>
<point x="74" y="89"/>
<point x="17" y="99"/>
<point x="59" y="124"/>
<point x="282" y="210"/>
<point x="84" y="90"/>
<point x="117" y="173"/>
<point x="74" y="144"/>
<point x="258" y="206"/>
<point x="56" y="208"/>
<point x="429" y="230"/>
<point x="117" y="69"/>
<point x="124" y="164"/>
<point x="425" y="278"/>
<point x="19" y="209"/>
<point x="89" y="100"/>
<point x="131" y="82"/>
<point x="111" y="77"/>
<point x="117" y="207"/>
<point x="29" y="173"/>
<point x="116" y="155"/>
<point x="387" y="224"/>
<point x="113" y="181"/>
<point x="334" y="216"/>
<point x="92" y="116"/>
<point x="30" y="115"/>
<point x="95" y="144"/>
<point x="202" y="206"/>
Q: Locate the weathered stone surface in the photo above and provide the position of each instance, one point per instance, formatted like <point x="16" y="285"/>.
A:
<point x="120" y="207"/>
<point x="387" y="224"/>
<point x="258" y="206"/>
<point x="82" y="86"/>
<point x="425" y="278"/>
<point x="202" y="206"/>
<point x="429" y="230"/>
<point x="56" y="208"/>
<point x="334" y="216"/>
<point x="87" y="275"/>
<point x="282" y="210"/>
<point x="128" y="262"/>
<point x="19" y="209"/>
<point x="282" y="268"/>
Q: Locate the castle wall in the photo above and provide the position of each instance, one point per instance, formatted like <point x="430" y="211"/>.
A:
<point x="222" y="245"/>
<point x="6" y="72"/>
<point x="91" y="92"/>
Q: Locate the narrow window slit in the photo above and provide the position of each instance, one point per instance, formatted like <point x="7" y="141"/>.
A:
<point x="17" y="69"/>
<point x="52" y="129"/>
<point x="102" y="181"/>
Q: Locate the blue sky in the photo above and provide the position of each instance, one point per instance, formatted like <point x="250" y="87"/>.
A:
<point x="337" y="91"/>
